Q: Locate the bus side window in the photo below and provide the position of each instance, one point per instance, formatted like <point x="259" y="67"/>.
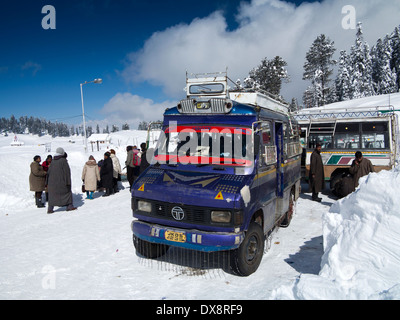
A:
<point x="268" y="149"/>
<point x="375" y="135"/>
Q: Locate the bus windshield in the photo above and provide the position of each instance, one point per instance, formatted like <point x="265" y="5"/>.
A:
<point x="205" y="145"/>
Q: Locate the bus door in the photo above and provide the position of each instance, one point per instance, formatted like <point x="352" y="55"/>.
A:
<point x="266" y="173"/>
<point x="279" y="158"/>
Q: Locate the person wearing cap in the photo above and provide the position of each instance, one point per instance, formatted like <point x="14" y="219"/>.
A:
<point x="37" y="180"/>
<point x="360" y="167"/>
<point x="58" y="182"/>
<point x="317" y="178"/>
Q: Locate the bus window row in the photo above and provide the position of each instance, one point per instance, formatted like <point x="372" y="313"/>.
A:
<point x="353" y="136"/>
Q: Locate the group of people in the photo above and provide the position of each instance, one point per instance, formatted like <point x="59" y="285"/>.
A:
<point x="136" y="162"/>
<point x="359" y="168"/>
<point x="54" y="176"/>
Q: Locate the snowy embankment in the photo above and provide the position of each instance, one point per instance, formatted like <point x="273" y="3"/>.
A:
<point x="361" y="246"/>
<point x="88" y="253"/>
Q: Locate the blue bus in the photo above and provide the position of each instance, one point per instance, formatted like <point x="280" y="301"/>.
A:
<point x="225" y="172"/>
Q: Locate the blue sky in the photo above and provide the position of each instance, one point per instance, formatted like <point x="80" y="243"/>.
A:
<point x="141" y="50"/>
<point x="40" y="70"/>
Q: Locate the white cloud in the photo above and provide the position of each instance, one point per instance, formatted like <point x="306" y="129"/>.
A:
<point x="132" y="109"/>
<point x="266" y="28"/>
<point x="32" y="67"/>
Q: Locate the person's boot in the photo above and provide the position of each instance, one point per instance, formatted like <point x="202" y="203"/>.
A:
<point x="70" y="207"/>
<point x="91" y="195"/>
<point x="39" y="203"/>
<point x="50" y="209"/>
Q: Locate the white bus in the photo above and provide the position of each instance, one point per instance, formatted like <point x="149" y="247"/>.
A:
<point x="365" y="125"/>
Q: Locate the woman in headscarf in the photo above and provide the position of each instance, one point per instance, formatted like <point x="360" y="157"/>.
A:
<point x="90" y="176"/>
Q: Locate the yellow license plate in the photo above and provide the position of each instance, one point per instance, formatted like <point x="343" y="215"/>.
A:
<point x="175" y="236"/>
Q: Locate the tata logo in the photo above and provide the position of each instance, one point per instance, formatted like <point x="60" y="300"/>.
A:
<point x="203" y="105"/>
<point x="177" y="213"/>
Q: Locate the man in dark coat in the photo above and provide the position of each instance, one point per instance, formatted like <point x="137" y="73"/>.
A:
<point x="59" y="182"/>
<point x="317" y="178"/>
<point x="106" y="175"/>
<point x="144" y="162"/>
<point x="360" y="167"/>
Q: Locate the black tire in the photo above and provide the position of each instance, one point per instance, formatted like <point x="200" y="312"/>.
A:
<point x="148" y="249"/>
<point x="246" y="259"/>
<point x="289" y="214"/>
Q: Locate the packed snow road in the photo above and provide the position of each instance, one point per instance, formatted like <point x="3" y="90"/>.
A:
<point x="88" y="254"/>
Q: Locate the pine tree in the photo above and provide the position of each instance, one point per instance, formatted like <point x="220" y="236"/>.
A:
<point x="395" y="60"/>
<point x="361" y="81"/>
<point x="294" y="106"/>
<point x="332" y="94"/>
<point x="383" y="77"/>
<point x="143" y="125"/>
<point x="89" y="131"/>
<point x="343" y="78"/>
<point x="318" y="70"/>
<point x="268" y="76"/>
<point x="309" y="98"/>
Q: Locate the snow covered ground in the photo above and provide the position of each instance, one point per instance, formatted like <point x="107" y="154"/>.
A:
<point x="347" y="249"/>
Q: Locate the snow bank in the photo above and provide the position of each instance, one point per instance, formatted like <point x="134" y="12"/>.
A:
<point x="361" y="246"/>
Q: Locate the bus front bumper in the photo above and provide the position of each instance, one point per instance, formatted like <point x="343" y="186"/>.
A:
<point x="189" y="239"/>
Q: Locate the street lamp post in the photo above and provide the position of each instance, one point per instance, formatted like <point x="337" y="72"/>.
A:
<point x="83" y="108"/>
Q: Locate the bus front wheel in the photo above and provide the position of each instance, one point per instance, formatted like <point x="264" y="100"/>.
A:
<point x="246" y="259"/>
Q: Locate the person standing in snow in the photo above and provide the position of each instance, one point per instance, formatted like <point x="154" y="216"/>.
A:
<point x="116" y="169"/>
<point x="46" y="163"/>
<point x="317" y="178"/>
<point x="59" y="182"/>
<point x="90" y="177"/>
<point x="360" y="167"/>
<point x="45" y="166"/>
<point x="37" y="180"/>
<point x="129" y="166"/>
<point x="106" y="175"/>
<point x="136" y="162"/>
<point x="143" y="163"/>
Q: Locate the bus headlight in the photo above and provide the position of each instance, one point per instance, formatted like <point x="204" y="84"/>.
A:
<point x="221" y="216"/>
<point x="144" y="206"/>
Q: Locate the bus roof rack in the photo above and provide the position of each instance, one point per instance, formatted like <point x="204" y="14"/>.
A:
<point x="354" y="112"/>
<point x="203" y="90"/>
